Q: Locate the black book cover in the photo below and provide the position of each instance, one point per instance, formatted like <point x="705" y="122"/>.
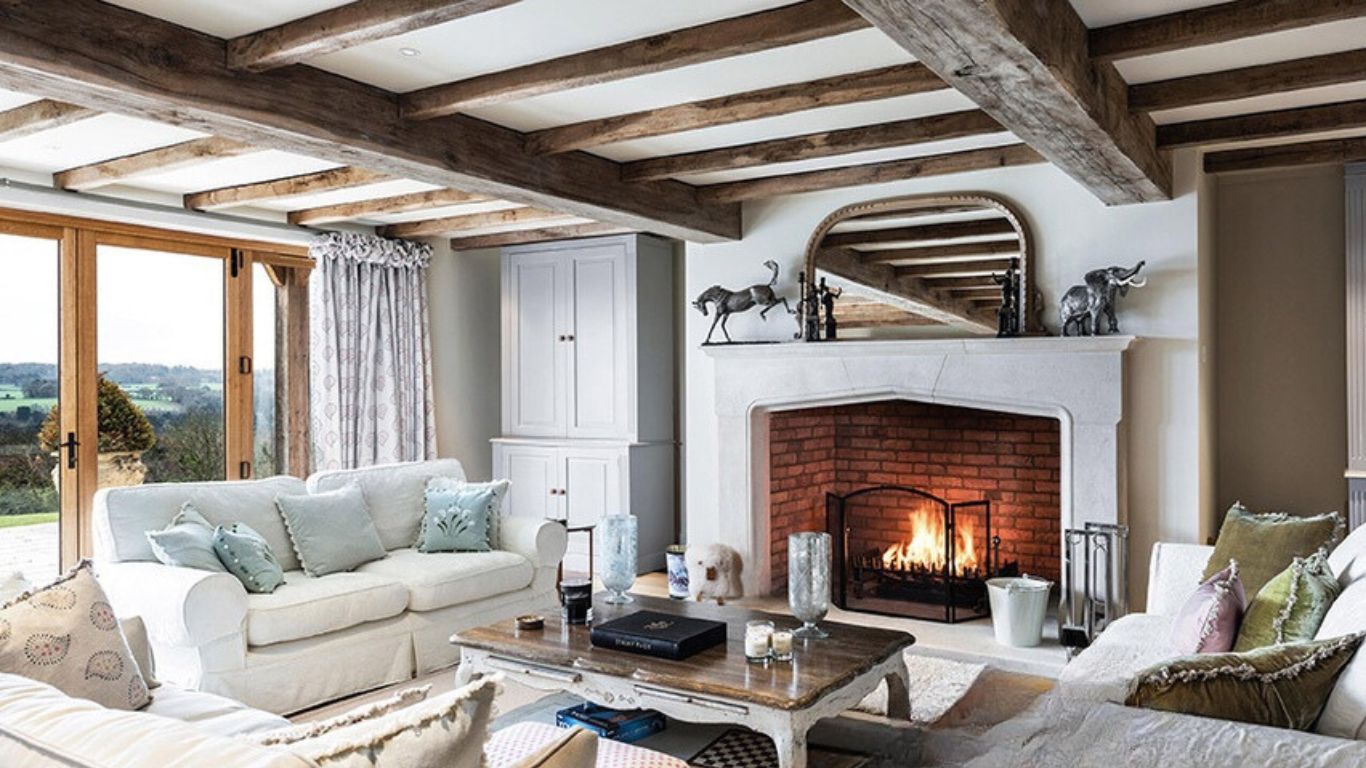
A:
<point x="662" y="635"/>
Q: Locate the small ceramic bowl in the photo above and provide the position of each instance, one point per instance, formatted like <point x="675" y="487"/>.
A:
<point x="530" y="621"/>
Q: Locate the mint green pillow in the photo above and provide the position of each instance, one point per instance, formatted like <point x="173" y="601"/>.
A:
<point x="1290" y="608"/>
<point x="331" y="531"/>
<point x="460" y="516"/>
<point x="187" y="542"/>
<point x="248" y="557"/>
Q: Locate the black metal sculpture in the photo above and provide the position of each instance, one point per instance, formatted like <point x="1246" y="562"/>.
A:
<point x="828" y="296"/>
<point x="808" y="311"/>
<point x="1083" y="306"/>
<point x="1008" y="320"/>
<point x="726" y="302"/>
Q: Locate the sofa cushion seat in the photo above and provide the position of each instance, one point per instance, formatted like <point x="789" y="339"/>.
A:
<point x="212" y="713"/>
<point x="308" y="606"/>
<point x="440" y="579"/>
<point x="1105" y="671"/>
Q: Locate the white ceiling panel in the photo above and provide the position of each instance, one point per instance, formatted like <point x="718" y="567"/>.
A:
<point x="1103" y="13"/>
<point x="1246" y="52"/>
<point x="890" y="222"/>
<point x="1304" y="98"/>
<point x="228" y="18"/>
<point x="364" y="192"/>
<point x="89" y="141"/>
<point x="1343" y="134"/>
<point x="232" y="171"/>
<point x="444" y="211"/>
<point x="11" y="99"/>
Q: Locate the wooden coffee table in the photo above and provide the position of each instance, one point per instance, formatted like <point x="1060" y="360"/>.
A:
<point x="783" y="700"/>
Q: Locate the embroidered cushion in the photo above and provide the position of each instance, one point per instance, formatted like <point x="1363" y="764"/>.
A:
<point x="187" y="542"/>
<point x="247" y="556"/>
<point x="1290" y="608"/>
<point x="459" y="516"/>
<point x="66" y="635"/>
<point x="331" y="531"/>
<point x="1264" y="545"/>
<point x="1208" y="621"/>
<point x="1285" y="686"/>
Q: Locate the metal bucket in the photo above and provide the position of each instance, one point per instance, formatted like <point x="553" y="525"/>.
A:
<point x="1018" y="606"/>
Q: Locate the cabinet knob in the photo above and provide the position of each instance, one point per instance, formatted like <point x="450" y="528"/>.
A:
<point x="563" y="337"/>
<point x="570" y="337"/>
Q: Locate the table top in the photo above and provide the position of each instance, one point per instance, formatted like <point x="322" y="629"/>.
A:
<point x="818" y="668"/>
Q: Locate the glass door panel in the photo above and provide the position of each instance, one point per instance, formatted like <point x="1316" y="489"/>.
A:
<point x="266" y="444"/>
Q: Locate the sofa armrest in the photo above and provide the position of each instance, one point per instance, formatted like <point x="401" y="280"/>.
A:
<point x="180" y="606"/>
<point x="1174" y="572"/>
<point x="543" y="542"/>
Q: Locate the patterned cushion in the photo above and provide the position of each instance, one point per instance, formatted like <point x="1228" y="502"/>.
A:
<point x="1264" y="545"/>
<point x="459" y="516"/>
<point x="517" y="742"/>
<point x="1290" y="608"/>
<point x="66" y="635"/>
<point x="187" y="542"/>
<point x="1208" y="622"/>
<point x="248" y="556"/>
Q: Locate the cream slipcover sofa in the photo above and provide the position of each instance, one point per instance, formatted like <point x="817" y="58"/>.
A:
<point x="315" y="639"/>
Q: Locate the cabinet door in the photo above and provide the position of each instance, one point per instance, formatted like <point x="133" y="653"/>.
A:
<point x="592" y="484"/>
<point x="536" y="345"/>
<point x="535" y="476"/>
<point x="599" y="367"/>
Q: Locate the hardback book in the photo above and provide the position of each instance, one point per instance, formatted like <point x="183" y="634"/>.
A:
<point x="615" y="724"/>
<point x="661" y="635"/>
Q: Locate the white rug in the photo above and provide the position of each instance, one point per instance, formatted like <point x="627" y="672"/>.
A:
<point x="935" y="686"/>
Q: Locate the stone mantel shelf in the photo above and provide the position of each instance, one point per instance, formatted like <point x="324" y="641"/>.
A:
<point x="1030" y="345"/>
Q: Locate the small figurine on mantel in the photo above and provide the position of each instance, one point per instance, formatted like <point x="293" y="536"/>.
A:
<point x="808" y="311"/>
<point x="1083" y="306"/>
<point x="828" y="296"/>
<point x="1008" y="319"/>
<point x="726" y="302"/>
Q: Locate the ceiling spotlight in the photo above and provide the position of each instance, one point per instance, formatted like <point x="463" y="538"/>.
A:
<point x="410" y="52"/>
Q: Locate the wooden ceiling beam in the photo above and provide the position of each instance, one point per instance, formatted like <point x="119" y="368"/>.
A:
<point x="954" y="283"/>
<point x="907" y="293"/>
<point x="874" y="314"/>
<point x="346" y="26"/>
<point x="951" y="230"/>
<point x="1264" y="125"/>
<point x="274" y="189"/>
<point x="109" y="58"/>
<point x="960" y="269"/>
<point x="39" y="116"/>
<point x="872" y="173"/>
<point x="1218" y="23"/>
<point x="548" y="234"/>
<point x="987" y="250"/>
<point x="956" y="125"/>
<point x="162" y="160"/>
<point x="870" y="85"/>
<point x="520" y="218"/>
<point x="1330" y="151"/>
<point x="787" y="25"/>
<point x="1024" y="63"/>
<point x="1246" y="82"/>
<point x="415" y="201"/>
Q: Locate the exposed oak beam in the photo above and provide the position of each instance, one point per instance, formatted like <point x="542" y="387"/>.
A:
<point x="305" y="184"/>
<point x="416" y="201"/>
<point x="39" y="116"/>
<point x="953" y="283"/>
<point x="346" y="26"/>
<point x="1288" y="155"/>
<point x="988" y="250"/>
<point x="109" y="58"/>
<point x="162" y="160"/>
<point x="1264" y="125"/>
<point x="522" y="218"/>
<point x="871" y="85"/>
<point x="874" y="314"/>
<point x="872" y="173"/>
<point x="572" y="232"/>
<point x="788" y="25"/>
<point x="960" y="269"/>
<point x="955" y="125"/>
<point x="1246" y="82"/>
<point x="1217" y="23"/>
<point x="909" y="294"/>
<point x="952" y="230"/>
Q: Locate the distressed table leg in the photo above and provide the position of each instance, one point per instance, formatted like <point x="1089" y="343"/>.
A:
<point x="898" y="693"/>
<point x="791" y="744"/>
<point x="464" y="673"/>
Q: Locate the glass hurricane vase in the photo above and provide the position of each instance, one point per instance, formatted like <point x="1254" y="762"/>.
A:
<point x="617" y="543"/>
<point x="808" y="581"/>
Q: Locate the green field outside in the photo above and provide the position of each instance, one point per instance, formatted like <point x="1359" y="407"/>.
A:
<point x="12" y="399"/>
<point x="15" y="521"/>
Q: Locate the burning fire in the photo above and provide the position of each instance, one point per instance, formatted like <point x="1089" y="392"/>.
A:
<point x="925" y="549"/>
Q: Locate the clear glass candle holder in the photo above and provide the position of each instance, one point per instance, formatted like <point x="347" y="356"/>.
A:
<point x="758" y="641"/>
<point x="782" y="645"/>
<point x="808" y="581"/>
<point x="617" y="545"/>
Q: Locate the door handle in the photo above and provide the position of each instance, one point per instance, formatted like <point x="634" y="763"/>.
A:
<point x="70" y="445"/>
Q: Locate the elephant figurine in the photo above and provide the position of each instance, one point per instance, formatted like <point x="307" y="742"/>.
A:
<point x="1083" y="306"/>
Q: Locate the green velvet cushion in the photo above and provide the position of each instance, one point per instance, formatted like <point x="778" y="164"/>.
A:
<point x="331" y="531"/>
<point x="459" y="516"/>
<point x="187" y="542"/>
<point x="1264" y="545"/>
<point x="1290" y="608"/>
<point x="1285" y="686"/>
<point x="248" y="557"/>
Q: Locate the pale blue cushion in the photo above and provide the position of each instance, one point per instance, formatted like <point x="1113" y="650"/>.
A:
<point x="187" y="542"/>
<point x="248" y="557"/>
<point x="460" y="516"/>
<point x="332" y="531"/>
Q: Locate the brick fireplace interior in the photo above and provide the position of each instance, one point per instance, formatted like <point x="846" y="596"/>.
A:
<point x="958" y="454"/>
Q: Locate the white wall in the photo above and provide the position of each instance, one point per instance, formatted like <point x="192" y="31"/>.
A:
<point x="1073" y="233"/>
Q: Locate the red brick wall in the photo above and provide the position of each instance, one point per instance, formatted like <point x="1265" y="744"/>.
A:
<point x="960" y="454"/>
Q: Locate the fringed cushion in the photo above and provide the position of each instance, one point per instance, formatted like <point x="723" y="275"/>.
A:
<point x="351" y="717"/>
<point x="1208" y="621"/>
<point x="1290" y="608"/>
<point x="1264" y="545"/>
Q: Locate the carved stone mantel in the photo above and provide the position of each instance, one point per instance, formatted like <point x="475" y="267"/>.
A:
<point x="1079" y="381"/>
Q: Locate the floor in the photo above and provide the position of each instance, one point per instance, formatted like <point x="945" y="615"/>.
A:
<point x="31" y="550"/>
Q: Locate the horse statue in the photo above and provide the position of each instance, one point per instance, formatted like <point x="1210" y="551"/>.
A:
<point x="727" y="302"/>
<point x="1084" y="306"/>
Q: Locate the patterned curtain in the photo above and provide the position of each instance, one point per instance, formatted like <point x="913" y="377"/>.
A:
<point x="370" y="396"/>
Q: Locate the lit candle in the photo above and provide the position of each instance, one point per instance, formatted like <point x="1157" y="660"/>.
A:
<point x="758" y="637"/>
<point x="782" y="645"/>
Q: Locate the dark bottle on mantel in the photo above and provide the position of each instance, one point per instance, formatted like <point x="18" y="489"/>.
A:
<point x="828" y="297"/>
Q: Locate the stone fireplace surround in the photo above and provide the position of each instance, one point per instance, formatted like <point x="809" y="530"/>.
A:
<point x="1078" y="381"/>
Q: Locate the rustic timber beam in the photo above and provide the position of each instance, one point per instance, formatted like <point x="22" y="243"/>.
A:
<point x="1264" y="125"/>
<point x="958" y="269"/>
<point x="953" y="283"/>
<point x="1024" y="63"/>
<point x="520" y="218"/>
<point x="872" y="173"/>
<point x="1288" y="155"/>
<point x="1218" y="23"/>
<point x="906" y="293"/>
<point x="988" y="250"/>
<point x="548" y="234"/>
<point x="1246" y="82"/>
<point x="874" y="314"/>
<point x="162" y="160"/>
<point x="274" y="189"/>
<point x="788" y="25"/>
<point x="415" y="201"/>
<point x="955" y="125"/>
<point x="39" y="116"/>
<point x="109" y="58"/>
<point x="871" y="85"/>
<point x="952" y="230"/>
<point x="349" y="25"/>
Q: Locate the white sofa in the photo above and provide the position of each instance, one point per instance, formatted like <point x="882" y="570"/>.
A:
<point x="315" y="639"/>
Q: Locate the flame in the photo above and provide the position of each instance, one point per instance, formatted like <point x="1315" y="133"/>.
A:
<point x="925" y="549"/>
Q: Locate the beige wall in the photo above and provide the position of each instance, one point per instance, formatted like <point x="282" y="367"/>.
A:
<point x="1281" y="372"/>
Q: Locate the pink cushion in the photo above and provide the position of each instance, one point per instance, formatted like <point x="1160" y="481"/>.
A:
<point x="1208" y="622"/>
<point x="515" y="742"/>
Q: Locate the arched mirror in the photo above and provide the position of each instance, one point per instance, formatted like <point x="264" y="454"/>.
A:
<point x="927" y="266"/>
